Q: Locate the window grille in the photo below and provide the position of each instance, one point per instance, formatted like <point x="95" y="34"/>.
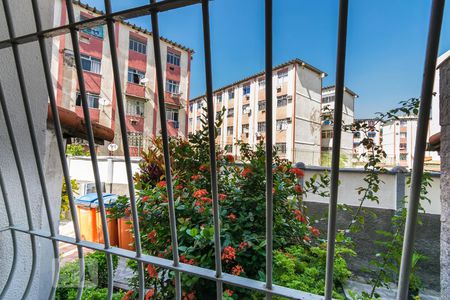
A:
<point x="135" y="76"/>
<point x="173" y="58"/>
<point x="138" y="46"/>
<point x="91" y="64"/>
<point x="153" y="9"/>
<point x="173" y="86"/>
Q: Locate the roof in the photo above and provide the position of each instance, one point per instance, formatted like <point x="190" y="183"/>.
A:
<point x="441" y="59"/>
<point x="134" y="26"/>
<point x="332" y="87"/>
<point x="290" y="62"/>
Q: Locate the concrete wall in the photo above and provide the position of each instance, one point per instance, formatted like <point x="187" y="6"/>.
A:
<point x="34" y="80"/>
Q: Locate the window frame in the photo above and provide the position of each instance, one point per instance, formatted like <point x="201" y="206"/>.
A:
<point x="93" y="61"/>
<point x="137" y="45"/>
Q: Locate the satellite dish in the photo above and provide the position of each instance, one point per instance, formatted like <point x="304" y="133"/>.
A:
<point x="113" y="147"/>
<point x="104" y="102"/>
<point x="143" y="80"/>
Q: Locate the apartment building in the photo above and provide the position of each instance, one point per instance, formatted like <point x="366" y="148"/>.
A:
<point x="374" y="132"/>
<point x="137" y="66"/>
<point x="328" y="100"/>
<point x="297" y="88"/>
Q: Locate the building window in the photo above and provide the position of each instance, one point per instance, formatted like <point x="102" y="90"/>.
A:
<point x="282" y="101"/>
<point x="403" y="134"/>
<point x="328" y="99"/>
<point x="172" y="86"/>
<point x="173" y="58"/>
<point x="357" y="134"/>
<point x="262" y="84"/>
<point x="403" y="156"/>
<point x="327" y="134"/>
<point x="135" y="107"/>
<point x="282" y="76"/>
<point x="94" y="31"/>
<point x="219" y="97"/>
<point x="231" y="94"/>
<point x="230" y="130"/>
<point x="198" y="120"/>
<point x="135" y="76"/>
<point x="327" y="122"/>
<point x="245" y="128"/>
<point x="281" y="147"/>
<point x="282" y="124"/>
<point x="138" y="46"/>
<point x="261" y="126"/>
<point x="246" y="89"/>
<point x="92" y="100"/>
<point x="190" y="121"/>
<point x="371" y="134"/>
<point x="403" y="122"/>
<point x="135" y="139"/>
<point x="172" y="115"/>
<point x="246" y="109"/>
<point x="402" y="146"/>
<point x="91" y="64"/>
<point x="262" y="105"/>
<point x="200" y="105"/>
<point x="191" y="107"/>
<point x="230" y="112"/>
<point x="219" y="131"/>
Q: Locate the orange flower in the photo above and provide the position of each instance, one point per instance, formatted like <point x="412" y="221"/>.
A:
<point x="179" y="187"/>
<point x="222" y="197"/>
<point x="230" y="158"/>
<point x="161" y="184"/>
<point x="237" y="270"/>
<point x="201" y="209"/>
<point x="183" y="259"/>
<point x="200" y="193"/>
<point x="229" y="293"/>
<point x="128" y="211"/>
<point x="189" y="296"/>
<point x="242" y="245"/>
<point x="232" y="217"/>
<point x="152" y="271"/>
<point x="229" y="253"/>
<point x="145" y="199"/>
<point x="149" y="294"/>
<point x="203" y="168"/>
<point x="299" y="216"/>
<point x="196" y="177"/>
<point x="298" y="188"/>
<point x="298" y="172"/>
<point x="206" y="200"/>
<point x="314" y="231"/>
<point x="128" y="295"/>
<point x="246" y="172"/>
<point x="152" y="236"/>
<point x="306" y="239"/>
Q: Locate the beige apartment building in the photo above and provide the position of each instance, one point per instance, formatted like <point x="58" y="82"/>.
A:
<point x="348" y="113"/>
<point x="137" y="72"/>
<point x="297" y="89"/>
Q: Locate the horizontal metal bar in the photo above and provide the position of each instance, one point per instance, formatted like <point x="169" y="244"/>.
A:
<point x="184" y="268"/>
<point x="100" y="20"/>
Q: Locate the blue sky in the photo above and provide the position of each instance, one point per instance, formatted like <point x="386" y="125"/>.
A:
<point x="385" y="50"/>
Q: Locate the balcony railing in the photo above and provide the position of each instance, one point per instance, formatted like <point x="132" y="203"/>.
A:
<point x="216" y="275"/>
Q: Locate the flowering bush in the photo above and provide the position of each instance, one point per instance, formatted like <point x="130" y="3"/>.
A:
<point x="242" y="214"/>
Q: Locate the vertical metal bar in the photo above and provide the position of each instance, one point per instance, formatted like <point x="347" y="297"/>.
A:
<point x="212" y="145"/>
<point x="269" y="146"/>
<point x="13" y="237"/>
<point x="37" y="157"/>
<point x="126" y="149"/>
<point x="165" y="138"/>
<point x="434" y="31"/>
<point x="337" y="129"/>
<point x="23" y="185"/>
<point x="90" y="136"/>
<point x="61" y="146"/>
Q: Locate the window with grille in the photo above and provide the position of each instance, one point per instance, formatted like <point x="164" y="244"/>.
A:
<point x="262" y="105"/>
<point x="173" y="58"/>
<point x="328" y="99"/>
<point x="371" y="134"/>
<point x="92" y="100"/>
<point x="91" y="64"/>
<point x="327" y="134"/>
<point x="245" y="128"/>
<point x="135" y="76"/>
<point x="403" y="156"/>
<point x="135" y="139"/>
<point x="230" y="112"/>
<point x="172" y="115"/>
<point x="261" y="126"/>
<point x="246" y="89"/>
<point x="94" y="31"/>
<point x="281" y="148"/>
<point x="403" y="134"/>
<point x="282" y="101"/>
<point x="135" y="107"/>
<point x="282" y="77"/>
<point x="262" y="84"/>
<point x="231" y="94"/>
<point x="246" y="109"/>
<point x="173" y="86"/>
<point x="137" y="46"/>
<point x="282" y="124"/>
<point x="191" y="107"/>
<point x="230" y="130"/>
<point x="403" y="146"/>
<point x="219" y="97"/>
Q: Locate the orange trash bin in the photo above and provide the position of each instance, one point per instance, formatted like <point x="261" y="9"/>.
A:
<point x="125" y="229"/>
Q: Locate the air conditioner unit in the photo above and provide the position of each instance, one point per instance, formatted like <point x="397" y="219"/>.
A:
<point x="247" y="97"/>
<point x="289" y="98"/>
<point x="133" y="121"/>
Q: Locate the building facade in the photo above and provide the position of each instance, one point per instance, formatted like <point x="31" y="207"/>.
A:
<point x="297" y="97"/>
<point x="137" y="72"/>
<point x="374" y="132"/>
<point x="348" y="113"/>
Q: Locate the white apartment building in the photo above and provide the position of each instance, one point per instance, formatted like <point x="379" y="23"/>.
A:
<point x="328" y="101"/>
<point x="297" y="89"/>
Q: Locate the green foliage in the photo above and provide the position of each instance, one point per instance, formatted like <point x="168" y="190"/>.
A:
<point x="65" y="208"/>
<point x="76" y="150"/>
<point x="95" y="294"/>
<point x="325" y="159"/>
<point x="303" y="268"/>
<point x="96" y="276"/>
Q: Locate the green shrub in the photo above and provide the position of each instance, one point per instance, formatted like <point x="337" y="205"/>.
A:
<point x="95" y="294"/>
